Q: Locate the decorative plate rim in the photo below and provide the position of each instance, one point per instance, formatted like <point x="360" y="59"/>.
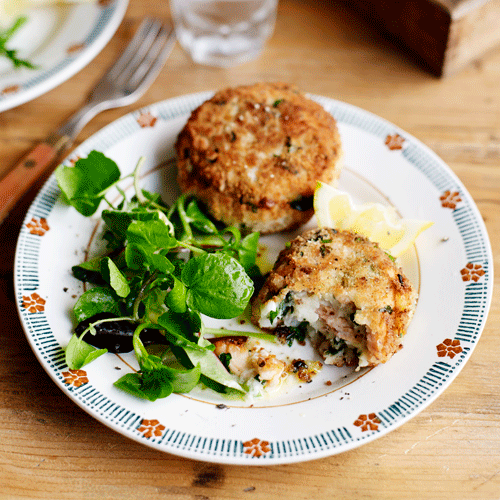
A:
<point x="98" y="35"/>
<point x="254" y="451"/>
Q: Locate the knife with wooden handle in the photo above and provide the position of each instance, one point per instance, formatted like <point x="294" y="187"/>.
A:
<point x="19" y="180"/>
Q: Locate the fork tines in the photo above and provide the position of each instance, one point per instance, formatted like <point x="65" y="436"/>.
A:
<point x="144" y="56"/>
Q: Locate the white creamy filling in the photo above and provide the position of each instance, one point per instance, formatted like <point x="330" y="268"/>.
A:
<point x="302" y="307"/>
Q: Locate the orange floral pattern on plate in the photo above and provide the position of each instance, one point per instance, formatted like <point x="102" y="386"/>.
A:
<point x="150" y="428"/>
<point x="368" y="422"/>
<point x="38" y="226"/>
<point x="394" y="141"/>
<point x="11" y="89"/>
<point x="72" y="161"/>
<point x="34" y="303"/>
<point x="450" y="199"/>
<point x="472" y="272"/>
<point x="256" y="447"/>
<point x="146" y="120"/>
<point x="77" y="47"/>
<point x="449" y="348"/>
<point x="76" y="378"/>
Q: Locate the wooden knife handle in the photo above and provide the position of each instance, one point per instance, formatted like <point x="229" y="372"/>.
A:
<point x="18" y="181"/>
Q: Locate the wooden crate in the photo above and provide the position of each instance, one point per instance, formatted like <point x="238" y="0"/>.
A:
<point x="444" y="35"/>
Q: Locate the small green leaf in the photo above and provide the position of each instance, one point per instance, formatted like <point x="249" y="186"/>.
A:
<point x="160" y="263"/>
<point x="179" y="328"/>
<point x="156" y="384"/>
<point x="218" y="285"/>
<point x="94" y="301"/>
<point x="159" y="382"/>
<point x="225" y="359"/>
<point x="84" y="184"/>
<point x="199" y="220"/>
<point x="79" y="353"/>
<point x="119" y="221"/>
<point x="152" y="235"/>
<point x="154" y="303"/>
<point x="155" y="380"/>
<point x="247" y="251"/>
<point x="176" y="298"/>
<point x="114" y="277"/>
<point x="212" y="368"/>
<point x="89" y="271"/>
<point x="131" y="383"/>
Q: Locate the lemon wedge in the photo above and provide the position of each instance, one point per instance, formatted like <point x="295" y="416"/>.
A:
<point x="379" y="223"/>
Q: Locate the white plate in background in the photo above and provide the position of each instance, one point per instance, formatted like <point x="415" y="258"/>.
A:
<point x="60" y="41"/>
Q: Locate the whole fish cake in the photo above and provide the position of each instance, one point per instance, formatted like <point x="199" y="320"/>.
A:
<point x="253" y="155"/>
<point x="342" y="291"/>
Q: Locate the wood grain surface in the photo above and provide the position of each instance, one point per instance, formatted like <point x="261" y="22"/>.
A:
<point x="443" y="35"/>
<point x="51" y="449"/>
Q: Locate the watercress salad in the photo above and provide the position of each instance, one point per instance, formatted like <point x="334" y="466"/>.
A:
<point x="165" y="267"/>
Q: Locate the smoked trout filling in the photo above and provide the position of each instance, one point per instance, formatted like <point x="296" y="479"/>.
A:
<point x="330" y="325"/>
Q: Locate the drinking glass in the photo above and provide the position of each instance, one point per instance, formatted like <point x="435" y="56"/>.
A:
<point x="223" y="32"/>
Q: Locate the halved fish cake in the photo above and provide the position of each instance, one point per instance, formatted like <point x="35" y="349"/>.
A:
<point x="344" y="292"/>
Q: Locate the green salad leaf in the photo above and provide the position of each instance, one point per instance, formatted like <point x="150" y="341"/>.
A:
<point x="79" y="353"/>
<point x="155" y="380"/>
<point x="84" y="185"/>
<point x="218" y="285"/>
<point x="94" y="301"/>
<point x="165" y="267"/>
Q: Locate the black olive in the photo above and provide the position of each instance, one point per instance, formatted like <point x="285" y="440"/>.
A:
<point x="302" y="204"/>
<point x="116" y="336"/>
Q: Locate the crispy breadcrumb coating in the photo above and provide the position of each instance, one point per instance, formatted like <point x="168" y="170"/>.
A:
<point x="353" y="299"/>
<point x="253" y="155"/>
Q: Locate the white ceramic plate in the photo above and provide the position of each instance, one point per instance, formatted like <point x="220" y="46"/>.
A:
<point x="60" y="41"/>
<point x="451" y="265"/>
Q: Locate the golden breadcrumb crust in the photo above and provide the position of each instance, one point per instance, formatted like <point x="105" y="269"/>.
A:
<point x="354" y="270"/>
<point x="253" y="155"/>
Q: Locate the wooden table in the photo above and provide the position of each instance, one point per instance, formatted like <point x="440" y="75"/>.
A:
<point x="49" y="448"/>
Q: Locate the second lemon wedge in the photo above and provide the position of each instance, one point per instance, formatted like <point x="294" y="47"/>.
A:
<point x="380" y="223"/>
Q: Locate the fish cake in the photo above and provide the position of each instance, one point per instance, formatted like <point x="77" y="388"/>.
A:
<point x="253" y="155"/>
<point x="344" y="292"/>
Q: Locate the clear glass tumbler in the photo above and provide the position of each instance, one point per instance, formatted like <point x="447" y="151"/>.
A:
<point x="223" y="32"/>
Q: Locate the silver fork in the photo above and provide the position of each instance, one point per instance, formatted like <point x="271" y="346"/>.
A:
<point x="124" y="82"/>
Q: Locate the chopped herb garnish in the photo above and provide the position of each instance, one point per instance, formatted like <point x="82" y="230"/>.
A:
<point x="387" y="309"/>
<point x="287" y="334"/>
<point x="390" y="256"/>
<point x="225" y="359"/>
<point x="272" y="316"/>
<point x="5" y="37"/>
<point x="277" y="102"/>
